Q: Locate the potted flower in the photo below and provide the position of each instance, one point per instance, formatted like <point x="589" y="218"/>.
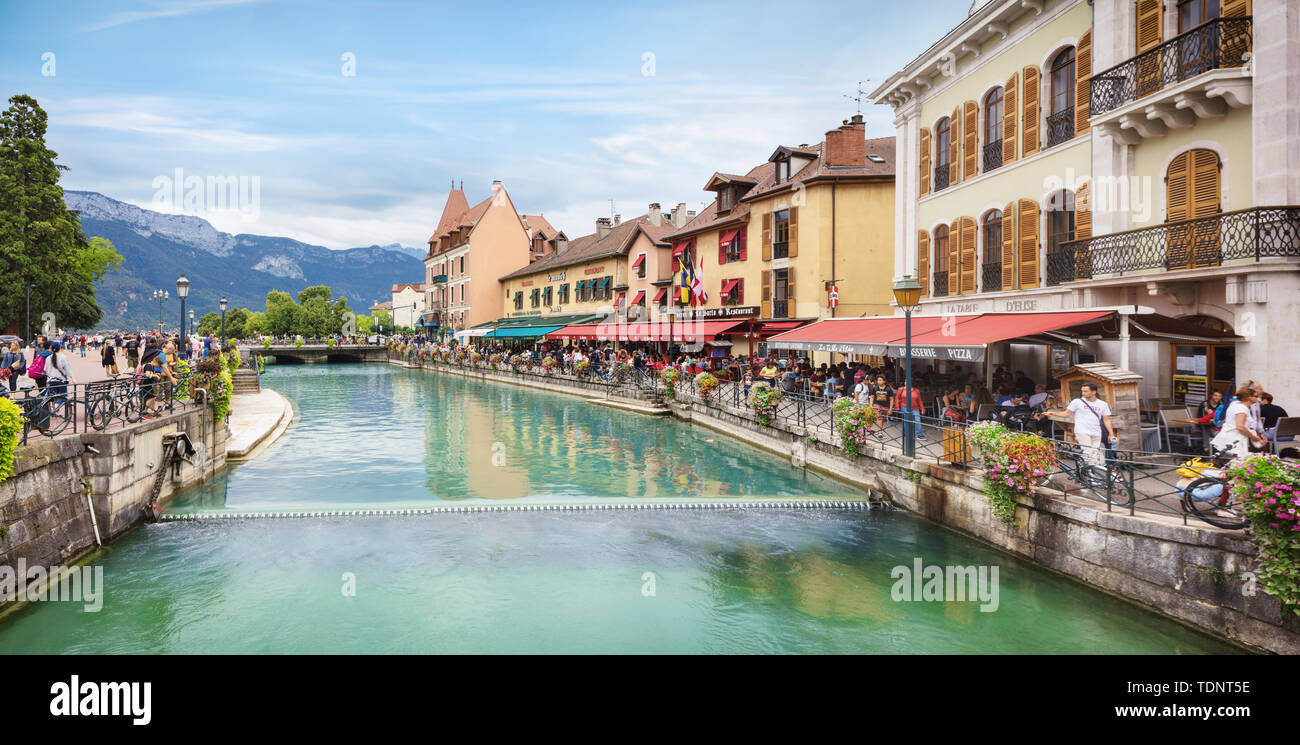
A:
<point x="1267" y="489"/>
<point x="763" y="398"/>
<point x="706" y="384"/>
<point x="669" y="376"/>
<point x="855" y="424"/>
<point x="584" y="367"/>
<point x="549" y="365"/>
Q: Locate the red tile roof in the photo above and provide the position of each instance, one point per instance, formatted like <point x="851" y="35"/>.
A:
<point x="616" y="243"/>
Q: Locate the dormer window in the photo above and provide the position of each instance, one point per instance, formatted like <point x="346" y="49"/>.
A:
<point x="725" y="199"/>
<point x="782" y="170"/>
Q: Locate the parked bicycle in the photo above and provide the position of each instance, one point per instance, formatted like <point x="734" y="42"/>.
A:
<point x="48" y="412"/>
<point x="1206" y="493"/>
<point x="112" y="399"/>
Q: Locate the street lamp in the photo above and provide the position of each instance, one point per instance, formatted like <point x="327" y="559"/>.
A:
<point x="160" y="296"/>
<point x="671" y="316"/>
<point x="907" y="293"/>
<point x="190" y="332"/>
<point x="182" y="292"/>
<point x="223" y="304"/>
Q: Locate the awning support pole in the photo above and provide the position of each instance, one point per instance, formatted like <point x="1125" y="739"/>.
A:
<point x="1123" y="341"/>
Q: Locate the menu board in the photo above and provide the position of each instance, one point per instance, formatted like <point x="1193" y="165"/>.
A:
<point x="1189" y="390"/>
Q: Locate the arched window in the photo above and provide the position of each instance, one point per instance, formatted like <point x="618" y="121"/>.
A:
<point x="1060" y="117"/>
<point x="1060" y="220"/>
<point x="942" y="147"/>
<point x="1193" y="190"/>
<point x="941" y="261"/>
<point x="991" y="271"/>
<point x="993" y="114"/>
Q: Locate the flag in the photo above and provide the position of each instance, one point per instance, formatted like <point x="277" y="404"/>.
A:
<point x="685" y="261"/>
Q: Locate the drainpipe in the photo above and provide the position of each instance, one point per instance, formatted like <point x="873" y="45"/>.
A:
<point x="1123" y="340"/>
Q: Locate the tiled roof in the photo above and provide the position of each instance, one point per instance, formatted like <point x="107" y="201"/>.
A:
<point x="536" y="224"/>
<point x="587" y="248"/>
<point x="451" y="212"/>
<point x="417" y="286"/>
<point x="765" y="176"/>
<point x="467" y="218"/>
<point x="386" y="305"/>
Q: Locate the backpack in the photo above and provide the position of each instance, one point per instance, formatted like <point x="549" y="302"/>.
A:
<point x="37" y="368"/>
<point x="1219" y="413"/>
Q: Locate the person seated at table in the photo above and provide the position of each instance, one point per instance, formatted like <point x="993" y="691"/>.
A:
<point x="953" y="406"/>
<point x="1023" y="384"/>
<point x="1039" y="418"/>
<point x="1018" y="412"/>
<point x="769" y="372"/>
<point x="980" y="398"/>
<point x="789" y="382"/>
<point x="1039" y="395"/>
<point x="818" y="380"/>
<point x="832" y="387"/>
<point x="1269" y="413"/>
<point x="1207" y="413"/>
<point x="1002" y="396"/>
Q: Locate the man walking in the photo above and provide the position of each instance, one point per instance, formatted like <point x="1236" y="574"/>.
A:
<point x="1092" y="424"/>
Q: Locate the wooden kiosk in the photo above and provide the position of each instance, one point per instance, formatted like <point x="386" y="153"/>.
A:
<point x="1118" y="388"/>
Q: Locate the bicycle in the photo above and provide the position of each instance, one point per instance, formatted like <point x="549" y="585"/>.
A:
<point x="1107" y="481"/>
<point x="50" y="413"/>
<point x="106" y="401"/>
<point x="1208" y="495"/>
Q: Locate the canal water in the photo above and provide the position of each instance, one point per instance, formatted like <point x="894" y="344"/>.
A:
<point x="729" y="580"/>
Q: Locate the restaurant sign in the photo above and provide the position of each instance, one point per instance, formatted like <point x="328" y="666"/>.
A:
<point x="954" y="354"/>
<point x="730" y="311"/>
<point x="557" y="277"/>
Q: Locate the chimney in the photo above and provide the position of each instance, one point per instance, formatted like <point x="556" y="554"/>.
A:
<point x="689" y="214"/>
<point x="618" y="219"/>
<point x="846" y="145"/>
<point x="561" y="245"/>
<point x="679" y="215"/>
<point x="602" y="228"/>
<point x="655" y="214"/>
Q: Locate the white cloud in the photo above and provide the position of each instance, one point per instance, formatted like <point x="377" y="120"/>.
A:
<point x="169" y="9"/>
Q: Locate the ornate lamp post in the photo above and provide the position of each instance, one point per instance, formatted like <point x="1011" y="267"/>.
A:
<point x="223" y="304"/>
<point x="907" y="293"/>
<point x="161" y="296"/>
<point x="182" y="292"/>
<point x="190" y="332"/>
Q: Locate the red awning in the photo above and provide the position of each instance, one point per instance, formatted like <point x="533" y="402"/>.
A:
<point x="640" y="297"/>
<point x="660" y="295"/>
<point x="682" y="331"/>
<point x="619" y="301"/>
<point x="727" y="237"/>
<point x="776" y="327"/>
<point x="728" y="287"/>
<point x="678" y="248"/>
<point x="639" y="261"/>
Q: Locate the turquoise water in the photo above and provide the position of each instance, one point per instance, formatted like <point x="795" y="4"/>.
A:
<point x="731" y="580"/>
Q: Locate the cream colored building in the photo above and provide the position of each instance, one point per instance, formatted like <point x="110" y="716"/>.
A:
<point x="408" y="305"/>
<point x="1133" y="154"/>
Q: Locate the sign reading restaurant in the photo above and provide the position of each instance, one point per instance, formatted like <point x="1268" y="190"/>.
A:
<point x="557" y="277"/>
<point x="730" y="311"/>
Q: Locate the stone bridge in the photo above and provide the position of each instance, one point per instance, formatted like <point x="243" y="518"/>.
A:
<point x="312" y="354"/>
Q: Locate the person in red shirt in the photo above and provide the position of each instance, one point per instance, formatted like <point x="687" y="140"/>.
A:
<point x="918" y="405"/>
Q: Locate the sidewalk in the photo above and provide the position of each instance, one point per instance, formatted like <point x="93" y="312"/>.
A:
<point x="256" y="420"/>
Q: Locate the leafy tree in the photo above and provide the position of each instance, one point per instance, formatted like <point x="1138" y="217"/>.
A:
<point x="384" y="320"/>
<point x="41" y="243"/>
<point x="236" y="320"/>
<point x="316" y="317"/>
<point x="210" y="323"/>
<point x="364" y="325"/>
<point x="256" y="324"/>
<point x="283" y="316"/>
<point x="320" y="291"/>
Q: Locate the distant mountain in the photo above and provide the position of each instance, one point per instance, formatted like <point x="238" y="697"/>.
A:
<point x="157" y="248"/>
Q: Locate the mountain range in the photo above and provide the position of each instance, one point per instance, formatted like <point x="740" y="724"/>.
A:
<point x="157" y="248"/>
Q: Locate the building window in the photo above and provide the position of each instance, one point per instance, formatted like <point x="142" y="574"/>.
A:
<point x="462" y="266"/>
<point x="608" y="284"/>
<point x="640" y="267"/>
<point x="993" y="114"/>
<point x="942" y="149"/>
<point x="1060" y="120"/>
<point x="735" y="291"/>
<point x="1060" y="221"/>
<point x="781" y="293"/>
<point x="519" y="301"/>
<point x="1192" y="13"/>
<point x="940" y="262"/>
<point x="724" y="199"/>
<point x="992" y="269"/>
<point x="781" y="234"/>
<point x="782" y="170"/>
<point x="732" y="251"/>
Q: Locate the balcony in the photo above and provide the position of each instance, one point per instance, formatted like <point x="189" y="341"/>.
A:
<point x="440" y="279"/>
<point x="1244" y="236"/>
<point x="941" y="177"/>
<point x="991" y="276"/>
<point x="780" y="308"/>
<point x="1060" y="127"/>
<point x="993" y="155"/>
<point x="940" y="285"/>
<point x="781" y="250"/>
<point x="1195" y="75"/>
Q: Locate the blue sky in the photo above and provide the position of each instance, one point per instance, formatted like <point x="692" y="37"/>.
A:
<point x="552" y="98"/>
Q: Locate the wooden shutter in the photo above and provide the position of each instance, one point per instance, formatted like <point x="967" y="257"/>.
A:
<point x="789" y="293"/>
<point x="739" y="292"/>
<point x="954" y="258"/>
<point x="1027" y="244"/>
<point x="744" y="241"/>
<point x="1234" y="40"/>
<point x="722" y="250"/>
<point x="1150" y="32"/>
<point x="1009" y="246"/>
<point x="923" y="261"/>
<point x="1083" y="229"/>
<point x="954" y="147"/>
<point x="970" y="138"/>
<point x="1029" y="123"/>
<point x="1178" y="207"/>
<point x="765" y="299"/>
<point x="966" y="256"/>
<point x="794" y="232"/>
<point x="925" y="160"/>
<point x="1009" y="116"/>
<point x="1082" y="85"/>
<point x="1204" y="193"/>
<point x="767" y="237"/>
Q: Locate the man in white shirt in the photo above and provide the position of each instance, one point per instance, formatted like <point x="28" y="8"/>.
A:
<point x="1090" y="413"/>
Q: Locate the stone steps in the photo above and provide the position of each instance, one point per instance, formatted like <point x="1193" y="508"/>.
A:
<point x="246" y="381"/>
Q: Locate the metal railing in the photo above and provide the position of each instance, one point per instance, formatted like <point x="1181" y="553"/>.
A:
<point x="1220" y="43"/>
<point x="1251" y="234"/>
<point x="781" y="250"/>
<point x="991" y="276"/>
<point x="780" y="308"/>
<point x="941" y="173"/>
<point x="993" y="155"/>
<point x="939" y="284"/>
<point x="73" y="408"/>
<point x="1060" y="127"/>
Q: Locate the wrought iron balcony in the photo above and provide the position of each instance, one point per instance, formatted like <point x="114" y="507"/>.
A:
<point x="781" y="250"/>
<point x="991" y="276"/>
<point x="1060" y="127"/>
<point x="939" y="285"/>
<point x="780" y="308"/>
<point x="941" y="177"/>
<point x="1244" y="235"/>
<point x="440" y="279"/>
<point x="993" y="155"/>
<point x="1221" y="43"/>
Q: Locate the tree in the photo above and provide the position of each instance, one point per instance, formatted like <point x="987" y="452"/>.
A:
<point x="41" y="243"/>
<point x="236" y="320"/>
<point x="256" y="324"/>
<point x="283" y="316"/>
<point x="364" y="325"/>
<point x="316" y="317"/>
<point x="384" y="320"/>
<point x="210" y="323"/>
<point x="320" y="291"/>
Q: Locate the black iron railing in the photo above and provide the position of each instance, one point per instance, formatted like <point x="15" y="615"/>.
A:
<point x="991" y="276"/>
<point x="780" y="308"/>
<point x="939" y="284"/>
<point x="94" y="407"/>
<point x="993" y="155"/>
<point x="1251" y="234"/>
<point x="1060" y="127"/>
<point x="1220" y="43"/>
<point x="781" y="250"/>
<point x="941" y="177"/>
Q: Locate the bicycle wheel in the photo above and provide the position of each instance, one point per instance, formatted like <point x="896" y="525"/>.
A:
<point x="1104" y="485"/>
<point x="132" y="406"/>
<point x="1223" y="512"/>
<point x="58" y="416"/>
<point x="97" y="413"/>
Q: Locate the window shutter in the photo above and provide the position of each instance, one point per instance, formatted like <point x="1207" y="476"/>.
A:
<point x="1029" y="126"/>
<point x="794" y="232"/>
<point x="765" y="299"/>
<point x="923" y="261"/>
<point x="744" y="241"/>
<point x="767" y="237"/>
<point x="954" y="258"/>
<point x="789" y="293"/>
<point x="925" y="160"/>
<point x="1082" y="87"/>
<point x="1028" y="244"/>
<point x="954" y="146"/>
<point x="1009" y="115"/>
<point x="1150" y="24"/>
<point x="1205" y="203"/>
<point x="1009" y="246"/>
<point x="740" y="291"/>
<point x="970" y="131"/>
<point x="1234" y="45"/>
<point x="1236" y="8"/>
<point x="1082" y="229"/>
<point x="722" y="250"/>
<point x="967" y="286"/>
